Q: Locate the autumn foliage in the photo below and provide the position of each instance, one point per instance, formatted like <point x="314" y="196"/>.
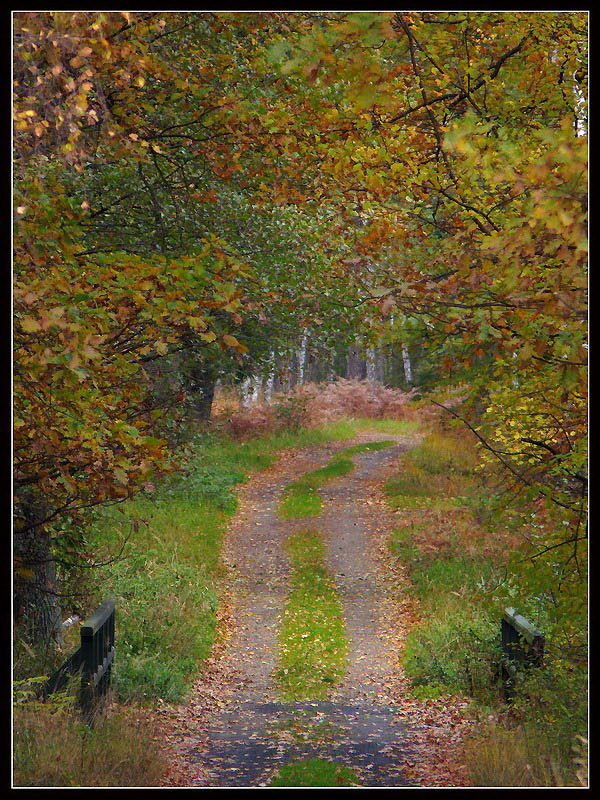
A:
<point x="429" y="174"/>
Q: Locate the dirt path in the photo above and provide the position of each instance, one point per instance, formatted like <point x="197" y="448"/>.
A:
<point x="365" y="723"/>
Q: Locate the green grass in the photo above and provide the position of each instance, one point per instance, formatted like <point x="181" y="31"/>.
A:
<point x="436" y="474"/>
<point x="302" y="498"/>
<point x="313" y="642"/>
<point x="457" y="647"/>
<point x="401" y="427"/>
<point x="315" y="772"/>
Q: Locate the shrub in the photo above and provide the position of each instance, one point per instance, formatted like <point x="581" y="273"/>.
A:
<point x="457" y="653"/>
<point x="313" y="405"/>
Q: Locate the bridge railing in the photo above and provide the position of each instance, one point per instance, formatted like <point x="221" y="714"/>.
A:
<point x="522" y="647"/>
<point x="94" y="659"/>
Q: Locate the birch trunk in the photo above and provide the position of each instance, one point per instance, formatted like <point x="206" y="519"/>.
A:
<point x="256" y="387"/>
<point x="302" y="357"/>
<point x="245" y="392"/>
<point x="270" y="381"/>
<point x="407" y="366"/>
<point x="371" y="362"/>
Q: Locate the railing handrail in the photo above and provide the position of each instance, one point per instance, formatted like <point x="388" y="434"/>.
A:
<point x="94" y="660"/>
<point x="522" y="625"/>
<point x="93" y="624"/>
<point x="522" y="646"/>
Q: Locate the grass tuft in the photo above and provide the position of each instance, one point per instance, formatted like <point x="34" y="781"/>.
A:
<point x="315" y="772"/>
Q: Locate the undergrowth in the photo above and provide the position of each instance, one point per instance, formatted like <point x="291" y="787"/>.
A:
<point x="462" y="575"/>
<point x="52" y="746"/>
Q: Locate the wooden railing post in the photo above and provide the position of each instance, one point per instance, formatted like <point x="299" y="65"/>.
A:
<point x="522" y="646"/>
<point x="94" y="658"/>
<point x="97" y="655"/>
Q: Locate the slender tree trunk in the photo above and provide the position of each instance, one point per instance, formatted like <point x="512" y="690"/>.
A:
<point x="245" y="392"/>
<point x="270" y="381"/>
<point x="288" y="374"/>
<point x="379" y="366"/>
<point x="371" y="365"/>
<point x="302" y="357"/>
<point x="407" y="365"/>
<point x="256" y="387"/>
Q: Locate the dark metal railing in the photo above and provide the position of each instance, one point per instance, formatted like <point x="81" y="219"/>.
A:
<point x="522" y="647"/>
<point x="94" y="660"/>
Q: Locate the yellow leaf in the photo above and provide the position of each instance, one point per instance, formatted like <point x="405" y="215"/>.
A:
<point x="30" y="325"/>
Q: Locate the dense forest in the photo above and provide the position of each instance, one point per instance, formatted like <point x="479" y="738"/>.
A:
<point x="213" y="205"/>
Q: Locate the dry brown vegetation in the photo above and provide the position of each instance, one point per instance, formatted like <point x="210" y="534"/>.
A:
<point x="312" y="405"/>
<point x="53" y="747"/>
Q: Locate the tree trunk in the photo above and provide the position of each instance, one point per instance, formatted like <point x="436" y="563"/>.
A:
<point x="371" y="365"/>
<point x="256" y="387"/>
<point x="270" y="382"/>
<point x="202" y="385"/>
<point x="302" y="357"/>
<point x="379" y="366"/>
<point x="355" y="365"/>
<point x="245" y="392"/>
<point x="37" y="607"/>
<point x="407" y="366"/>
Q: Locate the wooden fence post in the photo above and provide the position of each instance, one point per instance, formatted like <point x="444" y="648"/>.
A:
<point x="522" y="646"/>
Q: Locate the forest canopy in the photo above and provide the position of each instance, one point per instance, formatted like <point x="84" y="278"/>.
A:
<point x="196" y="193"/>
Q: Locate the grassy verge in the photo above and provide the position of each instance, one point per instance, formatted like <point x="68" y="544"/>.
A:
<point x="461" y="580"/>
<point x="53" y="747"/>
<point x="456" y="649"/>
<point x="315" y="772"/>
<point x="313" y="640"/>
